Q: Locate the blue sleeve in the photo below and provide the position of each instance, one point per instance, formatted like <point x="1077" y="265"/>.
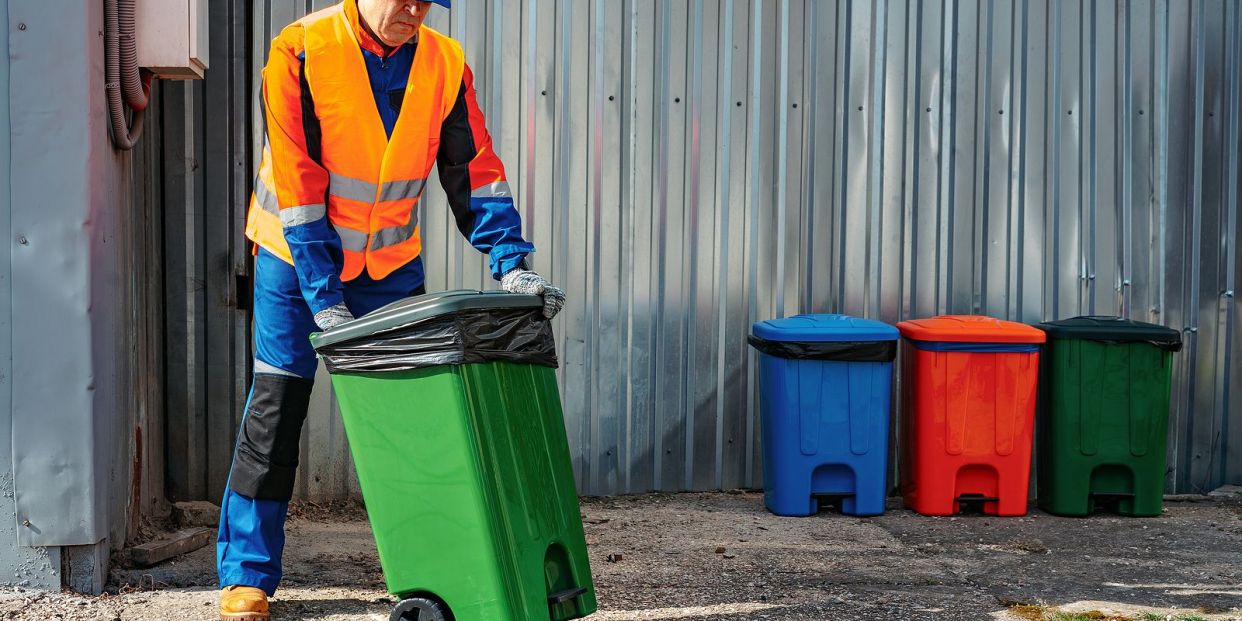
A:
<point x="497" y="231"/>
<point x="317" y="259"/>
<point x="473" y="178"/>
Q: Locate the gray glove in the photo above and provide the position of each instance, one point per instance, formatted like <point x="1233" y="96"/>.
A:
<point x="333" y="316"/>
<point x="529" y="283"/>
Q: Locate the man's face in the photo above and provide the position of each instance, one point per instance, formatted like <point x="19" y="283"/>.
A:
<point x="394" y="21"/>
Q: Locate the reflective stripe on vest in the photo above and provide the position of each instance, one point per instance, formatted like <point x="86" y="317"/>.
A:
<point x="375" y="182"/>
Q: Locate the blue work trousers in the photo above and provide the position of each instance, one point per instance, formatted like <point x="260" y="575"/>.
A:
<point x="256" y="501"/>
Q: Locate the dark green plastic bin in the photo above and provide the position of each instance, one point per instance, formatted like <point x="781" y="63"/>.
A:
<point x="1103" y="415"/>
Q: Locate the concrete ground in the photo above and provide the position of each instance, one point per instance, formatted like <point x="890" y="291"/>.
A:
<point x="721" y="556"/>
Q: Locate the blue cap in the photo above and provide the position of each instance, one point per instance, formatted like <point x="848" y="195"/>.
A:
<point x="443" y="3"/>
<point x="824" y="328"/>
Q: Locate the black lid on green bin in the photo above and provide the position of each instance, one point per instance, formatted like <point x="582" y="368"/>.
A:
<point x="1114" y="329"/>
<point x="409" y="311"/>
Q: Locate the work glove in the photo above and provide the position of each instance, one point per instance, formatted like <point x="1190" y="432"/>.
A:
<point x="333" y="316"/>
<point x="529" y="283"/>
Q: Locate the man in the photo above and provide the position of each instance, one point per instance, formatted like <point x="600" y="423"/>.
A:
<point x="360" y="100"/>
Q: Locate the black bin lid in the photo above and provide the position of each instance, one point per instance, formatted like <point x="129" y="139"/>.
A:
<point x="411" y="310"/>
<point x="1114" y="329"/>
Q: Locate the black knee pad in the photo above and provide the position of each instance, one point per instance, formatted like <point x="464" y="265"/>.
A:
<point x="266" y="462"/>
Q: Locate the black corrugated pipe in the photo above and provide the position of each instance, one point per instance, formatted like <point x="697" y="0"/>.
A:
<point x="121" y="75"/>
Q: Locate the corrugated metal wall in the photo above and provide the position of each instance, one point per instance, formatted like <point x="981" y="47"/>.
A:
<point x="689" y="167"/>
<point x="205" y="163"/>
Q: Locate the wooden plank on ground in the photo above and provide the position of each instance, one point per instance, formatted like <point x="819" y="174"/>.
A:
<point x="179" y="543"/>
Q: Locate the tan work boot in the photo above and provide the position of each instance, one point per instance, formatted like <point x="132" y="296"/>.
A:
<point x="243" y="603"/>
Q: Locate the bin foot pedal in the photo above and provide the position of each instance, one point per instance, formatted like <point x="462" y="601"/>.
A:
<point x="1109" y="501"/>
<point x="975" y="498"/>
<point x="830" y="499"/>
<point x="560" y="597"/>
<point x="1112" y="495"/>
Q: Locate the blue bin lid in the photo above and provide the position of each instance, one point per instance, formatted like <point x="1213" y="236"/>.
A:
<point x="824" y="329"/>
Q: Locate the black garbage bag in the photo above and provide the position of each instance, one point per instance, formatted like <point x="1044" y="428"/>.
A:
<point x="457" y="327"/>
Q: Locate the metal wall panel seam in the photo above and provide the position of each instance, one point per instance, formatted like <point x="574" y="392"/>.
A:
<point x="945" y="161"/>
<point x="1196" y="235"/>
<point x="660" y="157"/>
<point x="737" y="356"/>
<point x="782" y="140"/>
<point x="981" y="212"/>
<point x="594" y="211"/>
<point x="804" y="193"/>
<point x="627" y="205"/>
<point x="841" y="149"/>
<point x="723" y="206"/>
<point x="1214" y="251"/>
<point x="754" y="202"/>
<point x="1170" y="313"/>
<point x="643" y="35"/>
<point x="875" y="168"/>
<point x="1017" y="198"/>
<point x="1013" y="142"/>
<point x="1229" y="236"/>
<point x="914" y="100"/>
<point x="694" y="101"/>
<point x="1053" y="159"/>
<point x="1127" y="153"/>
<point x="1093" y="204"/>
<point x="1083" y="102"/>
<point x="891" y="141"/>
<point x="529" y="26"/>
<point x="1160" y="68"/>
<point x="810" y="24"/>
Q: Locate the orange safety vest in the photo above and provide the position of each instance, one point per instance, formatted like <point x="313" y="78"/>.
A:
<point x="375" y="182"/>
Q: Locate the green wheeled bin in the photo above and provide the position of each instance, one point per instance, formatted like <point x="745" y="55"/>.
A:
<point x="1103" y="416"/>
<point x="451" y="408"/>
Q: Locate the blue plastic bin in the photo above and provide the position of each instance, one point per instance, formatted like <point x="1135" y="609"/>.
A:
<point x="825" y="384"/>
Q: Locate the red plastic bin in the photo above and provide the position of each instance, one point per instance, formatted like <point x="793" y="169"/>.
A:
<point x="969" y="413"/>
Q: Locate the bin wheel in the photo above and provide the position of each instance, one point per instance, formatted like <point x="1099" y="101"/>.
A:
<point x="418" y="609"/>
